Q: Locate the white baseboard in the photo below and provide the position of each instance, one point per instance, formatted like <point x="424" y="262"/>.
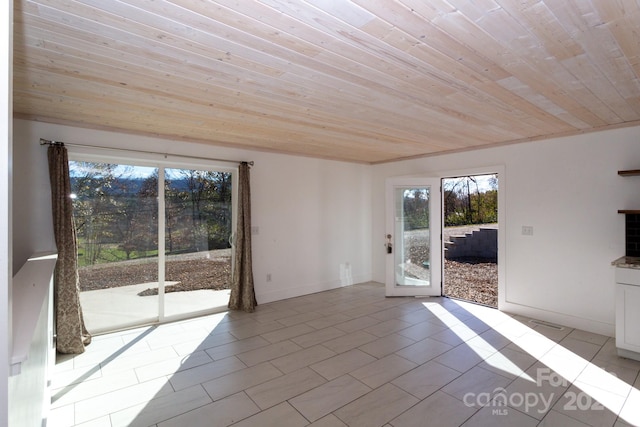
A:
<point x="298" y="291"/>
<point x="561" y="319"/>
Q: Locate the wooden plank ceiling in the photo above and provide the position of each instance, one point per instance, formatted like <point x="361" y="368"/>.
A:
<point x="363" y="80"/>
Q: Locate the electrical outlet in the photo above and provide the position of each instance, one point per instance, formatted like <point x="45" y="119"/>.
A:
<point x="268" y="277"/>
<point x="527" y="230"/>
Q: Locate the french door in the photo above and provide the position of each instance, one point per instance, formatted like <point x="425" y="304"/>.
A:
<point x="413" y="239"/>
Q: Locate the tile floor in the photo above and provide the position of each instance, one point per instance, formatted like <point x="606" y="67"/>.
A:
<point x="349" y="357"/>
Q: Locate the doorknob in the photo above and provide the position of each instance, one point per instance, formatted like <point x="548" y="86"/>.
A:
<point x="389" y="245"/>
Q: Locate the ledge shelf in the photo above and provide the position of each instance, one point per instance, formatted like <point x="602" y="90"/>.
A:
<point x="31" y="286"/>
<point x="631" y="172"/>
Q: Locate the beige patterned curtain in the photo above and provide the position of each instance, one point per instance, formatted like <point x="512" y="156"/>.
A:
<point x="242" y="295"/>
<point x="71" y="333"/>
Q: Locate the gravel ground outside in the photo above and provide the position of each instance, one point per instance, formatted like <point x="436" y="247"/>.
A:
<point x="471" y="279"/>
<point x="211" y="270"/>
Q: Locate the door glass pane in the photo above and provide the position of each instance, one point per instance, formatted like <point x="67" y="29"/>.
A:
<point x="412" y="236"/>
<point x="116" y="215"/>
<point x="198" y="221"/>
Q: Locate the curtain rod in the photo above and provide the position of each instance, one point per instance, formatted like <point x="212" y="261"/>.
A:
<point x="49" y="142"/>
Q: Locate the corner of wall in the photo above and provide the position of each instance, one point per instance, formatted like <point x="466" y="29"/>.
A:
<point x="6" y="144"/>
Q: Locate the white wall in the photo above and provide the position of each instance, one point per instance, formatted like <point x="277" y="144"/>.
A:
<point x="312" y="215"/>
<point x="32" y="225"/>
<point x="569" y="191"/>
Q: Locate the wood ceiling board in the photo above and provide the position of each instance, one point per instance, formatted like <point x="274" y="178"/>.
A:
<point x="613" y="72"/>
<point x="534" y="61"/>
<point x="96" y="93"/>
<point x="324" y="91"/>
<point x="518" y="66"/>
<point x="365" y="81"/>
<point x="149" y="80"/>
<point x="177" y="113"/>
<point x="460" y="25"/>
<point x="108" y="72"/>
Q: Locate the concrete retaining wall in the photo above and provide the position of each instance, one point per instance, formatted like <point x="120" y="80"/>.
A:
<point x="482" y="243"/>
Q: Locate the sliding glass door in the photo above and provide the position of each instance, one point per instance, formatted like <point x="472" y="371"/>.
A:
<point x="197" y="227"/>
<point x="153" y="242"/>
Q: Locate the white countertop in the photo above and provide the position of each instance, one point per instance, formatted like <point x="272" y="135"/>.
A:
<point x="627" y="262"/>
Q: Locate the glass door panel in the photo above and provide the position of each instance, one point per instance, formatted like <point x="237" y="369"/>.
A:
<point x="198" y="224"/>
<point x="413" y="246"/>
<point x="412" y="237"/>
<point x="116" y="215"/>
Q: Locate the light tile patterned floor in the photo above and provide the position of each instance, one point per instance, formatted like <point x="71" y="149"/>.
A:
<point x="349" y="357"/>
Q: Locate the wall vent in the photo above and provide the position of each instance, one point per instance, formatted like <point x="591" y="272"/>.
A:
<point x="548" y="325"/>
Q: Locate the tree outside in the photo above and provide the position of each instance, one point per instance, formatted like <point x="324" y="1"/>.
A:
<point x="116" y="217"/>
<point x="470" y="200"/>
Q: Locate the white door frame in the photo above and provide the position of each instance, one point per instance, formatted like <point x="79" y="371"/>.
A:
<point x="502" y="219"/>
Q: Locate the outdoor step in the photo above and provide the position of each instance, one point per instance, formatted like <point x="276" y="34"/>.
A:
<point x="481" y="242"/>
